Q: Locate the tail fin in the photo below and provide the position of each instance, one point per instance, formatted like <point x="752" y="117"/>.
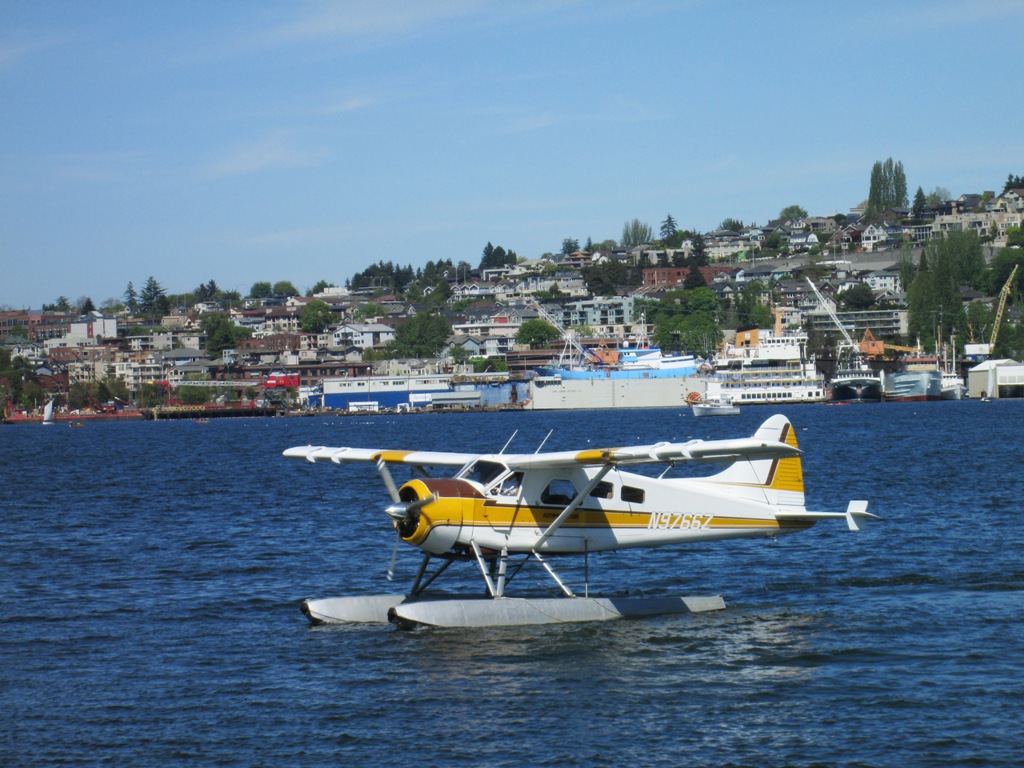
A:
<point x="777" y="481"/>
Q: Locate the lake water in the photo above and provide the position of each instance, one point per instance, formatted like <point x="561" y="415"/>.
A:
<point x="152" y="573"/>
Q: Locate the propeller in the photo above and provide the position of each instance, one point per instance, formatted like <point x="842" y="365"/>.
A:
<point x="389" y="483"/>
<point x="405" y="513"/>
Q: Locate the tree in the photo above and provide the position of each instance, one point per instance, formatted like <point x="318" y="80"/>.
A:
<point x="496" y="257"/>
<point x="694" y="278"/>
<point x="605" y="279"/>
<point x="221" y="333"/>
<point x="570" y="245"/>
<point x="316" y="317"/>
<point x="938" y="195"/>
<point x="131" y="300"/>
<point x="635" y="233"/>
<point x="668" y="229"/>
<point x="791" y="212"/>
<point x="887" y="189"/>
<point x="423" y="335"/>
<point x="261" y="290"/>
<point x="285" y="288"/>
<point x="206" y="291"/>
<point x="1013" y="182"/>
<point x="751" y="312"/>
<point x="920" y="201"/>
<point x="733" y="225"/>
<point x="536" y="333"/>
<point x="153" y="301"/>
<point x="699" y="255"/>
<point x="857" y="297"/>
<point x="319" y="287"/>
<point x="84" y="306"/>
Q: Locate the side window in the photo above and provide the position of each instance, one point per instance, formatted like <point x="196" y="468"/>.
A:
<point x="510" y="485"/>
<point x="559" y="491"/>
<point x="604" y="490"/>
<point x="632" y="495"/>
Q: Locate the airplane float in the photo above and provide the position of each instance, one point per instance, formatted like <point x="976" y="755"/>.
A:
<point x="502" y="511"/>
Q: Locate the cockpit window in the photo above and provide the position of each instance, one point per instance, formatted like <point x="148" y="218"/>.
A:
<point x="483" y="472"/>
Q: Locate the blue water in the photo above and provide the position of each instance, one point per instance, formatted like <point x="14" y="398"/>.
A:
<point x="152" y="572"/>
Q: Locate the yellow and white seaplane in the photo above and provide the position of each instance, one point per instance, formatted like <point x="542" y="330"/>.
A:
<point x="503" y="511"/>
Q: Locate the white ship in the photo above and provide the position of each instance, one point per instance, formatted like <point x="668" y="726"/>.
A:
<point x="762" y="367"/>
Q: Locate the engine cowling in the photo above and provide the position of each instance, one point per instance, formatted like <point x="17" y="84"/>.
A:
<point x="436" y="508"/>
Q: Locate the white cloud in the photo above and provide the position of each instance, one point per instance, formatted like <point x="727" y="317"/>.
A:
<point x="13" y="51"/>
<point x="365" y="20"/>
<point x="274" y="152"/>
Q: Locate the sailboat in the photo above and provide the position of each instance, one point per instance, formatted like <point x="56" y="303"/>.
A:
<point x="48" y="413"/>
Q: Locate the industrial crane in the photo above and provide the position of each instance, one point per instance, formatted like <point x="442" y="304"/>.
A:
<point x="849" y="342"/>
<point x="1004" y="294"/>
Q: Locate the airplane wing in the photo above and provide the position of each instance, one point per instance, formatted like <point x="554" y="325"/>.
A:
<point x="319" y="453"/>
<point x="704" y="451"/>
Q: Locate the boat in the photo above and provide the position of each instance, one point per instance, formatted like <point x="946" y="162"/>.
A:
<point x="854" y="380"/>
<point x="920" y="379"/>
<point x="715" y="404"/>
<point x="48" y="413"/>
<point x="636" y="375"/>
<point x="762" y="366"/>
<point x="952" y="387"/>
<point x="626" y="363"/>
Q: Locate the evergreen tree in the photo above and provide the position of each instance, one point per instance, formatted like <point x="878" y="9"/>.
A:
<point x="694" y="278"/>
<point x="131" y="300"/>
<point x="919" y="204"/>
<point x="153" y="301"/>
<point x="668" y="229"/>
<point x="699" y="256"/>
<point x="888" y="188"/>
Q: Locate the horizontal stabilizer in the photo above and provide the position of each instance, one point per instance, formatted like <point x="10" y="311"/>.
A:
<point x="854" y="510"/>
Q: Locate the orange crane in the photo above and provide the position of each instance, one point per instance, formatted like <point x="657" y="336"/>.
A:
<point x="876" y="349"/>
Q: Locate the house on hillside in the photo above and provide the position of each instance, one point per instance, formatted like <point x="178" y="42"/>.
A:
<point x="362" y="335"/>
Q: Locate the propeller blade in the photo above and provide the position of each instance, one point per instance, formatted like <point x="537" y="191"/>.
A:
<point x="389" y="483"/>
<point x="394" y="557"/>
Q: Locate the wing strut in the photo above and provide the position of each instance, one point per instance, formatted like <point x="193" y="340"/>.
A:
<point x="557" y="522"/>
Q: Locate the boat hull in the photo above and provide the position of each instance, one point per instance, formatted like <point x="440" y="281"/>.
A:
<point x="913" y="386"/>
<point x="553" y="393"/>
<point x="866" y="390"/>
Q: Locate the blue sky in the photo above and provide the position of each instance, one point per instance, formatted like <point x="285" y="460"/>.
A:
<point x="305" y="140"/>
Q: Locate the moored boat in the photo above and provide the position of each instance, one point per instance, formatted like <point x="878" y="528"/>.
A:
<point x="920" y="380"/>
<point x="764" y="367"/>
<point x="855" y="382"/>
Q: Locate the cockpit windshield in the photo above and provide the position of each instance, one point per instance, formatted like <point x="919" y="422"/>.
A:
<point x="483" y="472"/>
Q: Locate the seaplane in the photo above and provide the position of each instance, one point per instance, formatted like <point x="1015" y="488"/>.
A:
<point x="504" y="511"/>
